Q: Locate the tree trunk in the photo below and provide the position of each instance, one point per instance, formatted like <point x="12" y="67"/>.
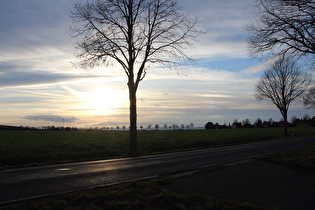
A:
<point x="285" y="119"/>
<point x="133" y="120"/>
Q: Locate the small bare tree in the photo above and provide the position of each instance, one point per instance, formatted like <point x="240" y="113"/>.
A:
<point x="283" y="83"/>
<point x="165" y="126"/>
<point x="284" y="27"/>
<point x="134" y="34"/>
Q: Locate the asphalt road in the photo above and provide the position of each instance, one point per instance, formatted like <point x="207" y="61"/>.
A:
<point x="24" y="183"/>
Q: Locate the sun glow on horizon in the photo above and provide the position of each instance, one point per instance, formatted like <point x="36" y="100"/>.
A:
<point x="99" y="100"/>
<point x="102" y="102"/>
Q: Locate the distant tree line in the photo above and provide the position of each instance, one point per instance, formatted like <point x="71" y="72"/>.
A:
<point x="50" y="128"/>
<point x="9" y="127"/>
<point x="169" y="127"/>
<point x="104" y="128"/>
<point x="306" y="121"/>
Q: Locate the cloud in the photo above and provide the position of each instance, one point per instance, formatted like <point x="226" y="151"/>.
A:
<point x="110" y="123"/>
<point x="33" y="22"/>
<point x="34" y="78"/>
<point x="223" y="22"/>
<point x="52" y="118"/>
<point x="257" y="68"/>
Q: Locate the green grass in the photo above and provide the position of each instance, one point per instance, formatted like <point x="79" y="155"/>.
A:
<point x="27" y="148"/>
<point x="136" y="195"/>
<point x="301" y="158"/>
<point x="44" y="147"/>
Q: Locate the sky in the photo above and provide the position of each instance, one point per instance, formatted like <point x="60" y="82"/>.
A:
<point x="39" y="86"/>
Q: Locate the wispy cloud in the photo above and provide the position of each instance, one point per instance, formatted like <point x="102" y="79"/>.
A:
<point x="51" y="118"/>
<point x="223" y="22"/>
<point x="36" y="78"/>
<point x="257" y="68"/>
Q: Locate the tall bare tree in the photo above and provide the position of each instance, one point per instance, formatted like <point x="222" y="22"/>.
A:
<point x="135" y="34"/>
<point x="281" y="84"/>
<point x="284" y="27"/>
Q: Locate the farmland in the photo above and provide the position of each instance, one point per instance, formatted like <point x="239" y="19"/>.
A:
<point x="29" y="148"/>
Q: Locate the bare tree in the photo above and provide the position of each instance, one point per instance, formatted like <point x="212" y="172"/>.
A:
<point x="309" y="98"/>
<point x="134" y="34"/>
<point x="182" y="126"/>
<point x="258" y="123"/>
<point x="165" y="126"/>
<point x="283" y="83"/>
<point x="284" y="28"/>
<point x="191" y="125"/>
<point x="246" y="123"/>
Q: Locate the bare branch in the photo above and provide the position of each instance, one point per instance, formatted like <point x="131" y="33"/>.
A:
<point x="137" y="32"/>
<point x="284" y="28"/>
<point x="309" y="98"/>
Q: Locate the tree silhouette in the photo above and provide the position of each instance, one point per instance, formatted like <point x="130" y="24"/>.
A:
<point x="283" y="83"/>
<point x="165" y="126"/>
<point x="182" y="126"/>
<point x="309" y="98"/>
<point x="258" y="123"/>
<point x="293" y="119"/>
<point x="284" y="28"/>
<point x="191" y="125"/>
<point x="134" y="34"/>
<point x="246" y="123"/>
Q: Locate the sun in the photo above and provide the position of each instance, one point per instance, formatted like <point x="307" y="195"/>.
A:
<point x="103" y="101"/>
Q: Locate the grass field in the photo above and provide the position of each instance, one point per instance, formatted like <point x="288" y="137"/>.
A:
<point x="26" y="148"/>
<point x="301" y="158"/>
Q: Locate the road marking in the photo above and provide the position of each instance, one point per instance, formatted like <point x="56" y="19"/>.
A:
<point x="63" y="169"/>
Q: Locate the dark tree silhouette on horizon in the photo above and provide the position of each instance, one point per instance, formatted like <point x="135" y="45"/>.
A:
<point x="134" y="34"/>
<point x="281" y="84"/>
